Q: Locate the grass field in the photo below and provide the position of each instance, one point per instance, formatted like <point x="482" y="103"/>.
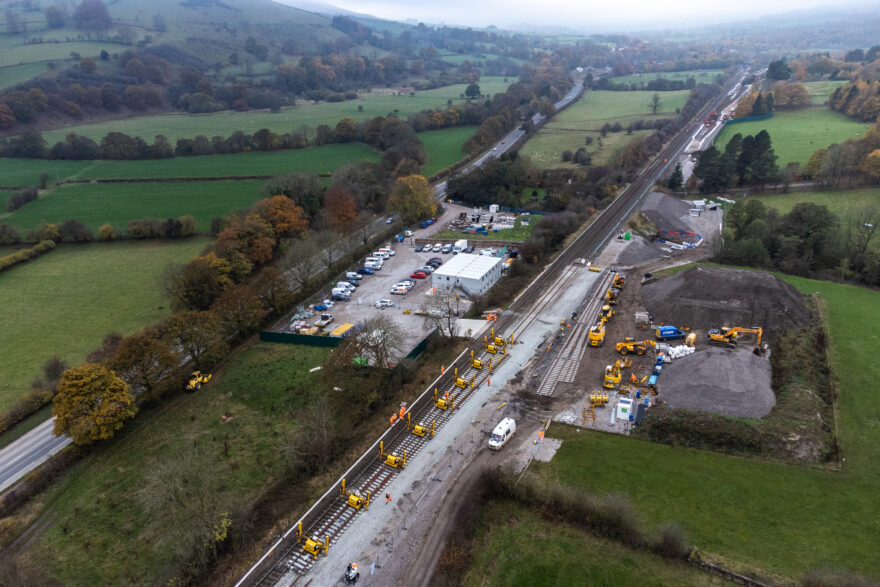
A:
<point x="797" y="133"/>
<point x="116" y="204"/>
<point x="703" y="76"/>
<point x="15" y="74"/>
<point x="821" y="91"/>
<point x="444" y="147"/>
<point x="97" y="501"/>
<point x="777" y="519"/>
<point x="63" y="303"/>
<point x="515" y="546"/>
<point x="568" y="129"/>
<point x="378" y="103"/>
<point x="23" y="54"/>
<point x="844" y="203"/>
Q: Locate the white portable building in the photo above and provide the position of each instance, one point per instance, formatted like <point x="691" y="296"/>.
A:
<point x="475" y="274"/>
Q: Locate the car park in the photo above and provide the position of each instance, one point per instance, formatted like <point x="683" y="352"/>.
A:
<point x="365" y="271"/>
<point x="419" y="275"/>
<point x="381" y="304"/>
<point x="437" y="248"/>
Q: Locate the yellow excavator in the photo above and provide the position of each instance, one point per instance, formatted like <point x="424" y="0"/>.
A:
<point x="606" y="313"/>
<point x="630" y="345"/>
<point x="198" y="379"/>
<point x="619" y="280"/>
<point x="612" y="372"/>
<point x="728" y="336"/>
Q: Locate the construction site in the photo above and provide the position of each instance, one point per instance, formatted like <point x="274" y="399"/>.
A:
<point x="604" y="344"/>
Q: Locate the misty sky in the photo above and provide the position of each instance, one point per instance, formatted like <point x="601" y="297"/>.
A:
<point x="587" y="15"/>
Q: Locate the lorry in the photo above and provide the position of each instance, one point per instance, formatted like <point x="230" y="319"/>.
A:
<point x="459" y="247"/>
<point x="668" y="333"/>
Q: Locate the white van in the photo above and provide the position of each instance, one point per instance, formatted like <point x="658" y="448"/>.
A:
<point x="373" y="266"/>
<point x="387" y="251"/>
<point x="375" y="260"/>
<point x="502" y="433"/>
<point x="339" y="293"/>
<point x="381" y="255"/>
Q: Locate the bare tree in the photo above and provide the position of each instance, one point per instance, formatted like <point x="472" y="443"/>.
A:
<point x="329" y="245"/>
<point x="866" y="221"/>
<point x="301" y="261"/>
<point x="441" y="313"/>
<point x="380" y="339"/>
<point x="365" y="231"/>
<point x="311" y="447"/>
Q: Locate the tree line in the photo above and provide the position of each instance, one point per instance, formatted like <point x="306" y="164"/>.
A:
<point x="808" y="241"/>
<point x="745" y="161"/>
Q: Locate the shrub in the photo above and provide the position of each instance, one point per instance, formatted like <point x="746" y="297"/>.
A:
<point x="19" y="199"/>
<point x="9" y="235"/>
<point x="74" y="231"/>
<point x="672" y="542"/>
<point x="107" y="233"/>
<point x="43" y="232"/>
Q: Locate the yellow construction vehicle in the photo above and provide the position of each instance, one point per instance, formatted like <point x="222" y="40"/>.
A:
<point x="728" y="336"/>
<point x="596" y="336"/>
<point x="629" y="345"/>
<point x="197" y="380"/>
<point x="691" y="339"/>
<point x="619" y="281"/>
<point x="606" y="313"/>
<point x="358" y="501"/>
<point x="613" y="372"/>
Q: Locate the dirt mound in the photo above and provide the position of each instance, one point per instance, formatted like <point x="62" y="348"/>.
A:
<point x="710" y="297"/>
<point x="732" y="382"/>
<point x="639" y="251"/>
<point x="668" y="212"/>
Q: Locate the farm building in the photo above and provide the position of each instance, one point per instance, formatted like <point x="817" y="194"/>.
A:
<point x="474" y="274"/>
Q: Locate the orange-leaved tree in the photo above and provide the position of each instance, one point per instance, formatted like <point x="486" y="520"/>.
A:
<point x="413" y="198"/>
<point x="92" y="403"/>
<point x="341" y="208"/>
<point x="283" y="215"/>
<point x="251" y="236"/>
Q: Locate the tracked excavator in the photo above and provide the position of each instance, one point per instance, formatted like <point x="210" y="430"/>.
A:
<point x="630" y="345"/>
<point x="727" y="337"/>
<point x="613" y="374"/>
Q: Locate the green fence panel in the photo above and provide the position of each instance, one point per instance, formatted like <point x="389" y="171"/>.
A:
<point x="307" y="339"/>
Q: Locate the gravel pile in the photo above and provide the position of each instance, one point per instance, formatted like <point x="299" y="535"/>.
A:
<point x="710" y="297"/>
<point x="639" y="251"/>
<point x="668" y="212"/>
<point x="732" y="382"/>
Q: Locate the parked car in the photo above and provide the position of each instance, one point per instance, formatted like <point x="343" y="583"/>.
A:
<point x="419" y="248"/>
<point x="399" y="291"/>
<point x="469" y="249"/>
<point x="407" y="233"/>
<point x="423" y="224"/>
<point x="429" y="269"/>
<point x="365" y="271"/>
<point x="353" y="276"/>
<point x="437" y="248"/>
<point x="403" y="285"/>
<point x="446" y="249"/>
<point x="384" y="304"/>
<point x="435" y="261"/>
<point x="408" y="282"/>
<point x="321" y="307"/>
<point x="419" y="275"/>
<point x="389" y="220"/>
<point x="341" y="297"/>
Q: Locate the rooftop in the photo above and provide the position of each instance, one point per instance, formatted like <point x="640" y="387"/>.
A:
<point x="468" y="266"/>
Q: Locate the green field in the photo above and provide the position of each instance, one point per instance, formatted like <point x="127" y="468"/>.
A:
<point x="515" y="546"/>
<point x="821" y="91"/>
<point x="116" y="204"/>
<point x="444" y="147"/>
<point x="15" y="74"/>
<point x="97" y="502"/>
<point x="702" y="76"/>
<point x="843" y="203"/>
<point x="568" y="129"/>
<point x="777" y="519"/>
<point x="377" y="103"/>
<point x="23" y="54"/>
<point x="63" y="303"/>
<point x="797" y="133"/>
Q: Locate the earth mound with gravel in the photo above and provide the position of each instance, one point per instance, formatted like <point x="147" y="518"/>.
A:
<point x="732" y="382"/>
<point x="710" y="297"/>
<point x="639" y="251"/>
<point x="668" y="212"/>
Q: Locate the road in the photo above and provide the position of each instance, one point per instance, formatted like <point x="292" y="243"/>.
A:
<point x="28" y="452"/>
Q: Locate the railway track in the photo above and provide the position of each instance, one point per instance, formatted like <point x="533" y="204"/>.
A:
<point x="331" y="516"/>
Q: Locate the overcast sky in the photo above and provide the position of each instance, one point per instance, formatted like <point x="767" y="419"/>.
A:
<point x="586" y="15"/>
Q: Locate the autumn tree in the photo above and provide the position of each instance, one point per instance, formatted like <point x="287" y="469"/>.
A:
<point x="91" y="15"/>
<point x="341" y="209"/>
<point x="251" y="237"/>
<point x="197" y="336"/>
<point x="240" y="311"/>
<point x="92" y="403"/>
<point x="144" y="362"/>
<point x="283" y="215"/>
<point x="197" y="284"/>
<point x="413" y="198"/>
<point x="273" y="290"/>
<point x="791" y="95"/>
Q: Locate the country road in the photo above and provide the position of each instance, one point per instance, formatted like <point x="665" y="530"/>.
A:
<point x="28" y="452"/>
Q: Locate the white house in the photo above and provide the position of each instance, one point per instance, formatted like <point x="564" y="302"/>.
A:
<point x="475" y="274"/>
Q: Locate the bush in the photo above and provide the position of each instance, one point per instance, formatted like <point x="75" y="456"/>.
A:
<point x="107" y="233"/>
<point x="74" y="231"/>
<point x="672" y="542"/>
<point x="26" y="254"/>
<point x="19" y="199"/>
<point x="9" y="235"/>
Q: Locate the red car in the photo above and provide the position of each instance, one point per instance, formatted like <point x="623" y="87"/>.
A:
<point x="418" y="275"/>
